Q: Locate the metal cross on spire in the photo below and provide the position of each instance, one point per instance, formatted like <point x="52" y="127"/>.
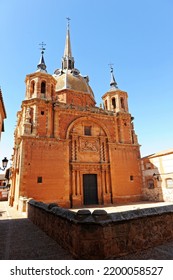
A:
<point x="113" y="82"/>
<point x="42" y="47"/>
<point x="68" y="21"/>
<point x="111" y="66"/>
<point x="41" y="67"/>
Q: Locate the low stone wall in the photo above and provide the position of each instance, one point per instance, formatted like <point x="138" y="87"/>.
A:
<point x="100" y="235"/>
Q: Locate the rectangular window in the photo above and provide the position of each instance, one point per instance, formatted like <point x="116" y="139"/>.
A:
<point x="39" y="180"/>
<point x="87" y="130"/>
<point x="169" y="183"/>
<point x="113" y="103"/>
<point x="131" y="177"/>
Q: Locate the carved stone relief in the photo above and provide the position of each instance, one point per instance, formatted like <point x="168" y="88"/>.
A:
<point x="89" y="145"/>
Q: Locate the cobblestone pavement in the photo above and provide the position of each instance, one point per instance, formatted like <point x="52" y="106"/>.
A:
<point x="20" y="239"/>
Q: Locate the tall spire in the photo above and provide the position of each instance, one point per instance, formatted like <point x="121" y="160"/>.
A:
<point x="113" y="83"/>
<point x="41" y="67"/>
<point x="67" y="60"/>
<point x="67" y="50"/>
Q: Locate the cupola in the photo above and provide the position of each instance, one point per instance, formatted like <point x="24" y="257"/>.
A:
<point x="69" y="78"/>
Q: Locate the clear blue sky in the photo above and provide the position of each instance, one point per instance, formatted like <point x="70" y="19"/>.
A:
<point x="135" y="35"/>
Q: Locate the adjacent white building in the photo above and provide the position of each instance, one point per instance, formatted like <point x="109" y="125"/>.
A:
<point x="157" y="171"/>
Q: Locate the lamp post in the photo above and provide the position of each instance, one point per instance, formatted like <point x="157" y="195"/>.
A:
<point x="156" y="176"/>
<point x="4" y="163"/>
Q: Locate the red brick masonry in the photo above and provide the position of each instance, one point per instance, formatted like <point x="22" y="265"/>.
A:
<point x="100" y="235"/>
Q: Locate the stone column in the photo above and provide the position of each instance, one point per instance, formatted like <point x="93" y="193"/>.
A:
<point x="106" y="185"/>
<point x="78" y="183"/>
<point x="108" y="181"/>
<point x="34" y="125"/>
<point x="73" y="182"/>
<point x="103" y="181"/>
<point x="102" y="150"/>
<point x="76" y="188"/>
<point x="74" y="148"/>
<point x="27" y="121"/>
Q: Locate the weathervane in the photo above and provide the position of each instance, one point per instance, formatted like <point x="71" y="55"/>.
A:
<point x="113" y="82"/>
<point x="42" y="47"/>
<point x="68" y="19"/>
<point x="111" y="66"/>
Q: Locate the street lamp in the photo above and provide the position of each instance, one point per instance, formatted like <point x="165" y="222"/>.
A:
<point x="4" y="163"/>
<point x="156" y="176"/>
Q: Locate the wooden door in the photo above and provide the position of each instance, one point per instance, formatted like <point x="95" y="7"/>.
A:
<point x="90" y="189"/>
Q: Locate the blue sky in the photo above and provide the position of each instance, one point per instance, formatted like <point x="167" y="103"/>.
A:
<point x="135" y="35"/>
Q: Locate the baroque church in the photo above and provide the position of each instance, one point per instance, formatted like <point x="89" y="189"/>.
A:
<point x="69" y="151"/>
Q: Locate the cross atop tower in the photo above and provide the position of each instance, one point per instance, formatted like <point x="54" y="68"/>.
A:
<point x="41" y="67"/>
<point x="113" y="83"/>
<point x="111" y="66"/>
<point x="42" y="47"/>
<point x="68" y="21"/>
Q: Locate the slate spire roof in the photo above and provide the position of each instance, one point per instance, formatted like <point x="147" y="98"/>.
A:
<point x="41" y="67"/>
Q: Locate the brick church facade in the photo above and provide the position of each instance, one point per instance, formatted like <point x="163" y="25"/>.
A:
<point x="69" y="151"/>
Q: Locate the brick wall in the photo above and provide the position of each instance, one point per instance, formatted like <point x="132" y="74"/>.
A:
<point x="100" y="235"/>
<point x="3" y="195"/>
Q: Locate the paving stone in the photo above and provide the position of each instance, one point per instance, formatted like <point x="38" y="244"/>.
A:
<point x="22" y="240"/>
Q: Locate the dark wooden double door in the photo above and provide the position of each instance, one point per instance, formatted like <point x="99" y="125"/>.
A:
<point x="90" y="192"/>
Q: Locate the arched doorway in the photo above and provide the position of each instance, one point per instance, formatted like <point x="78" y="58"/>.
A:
<point x="89" y="162"/>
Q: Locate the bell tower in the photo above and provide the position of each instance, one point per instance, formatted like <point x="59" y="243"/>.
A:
<point x="115" y="99"/>
<point x="36" y="113"/>
<point x="40" y="84"/>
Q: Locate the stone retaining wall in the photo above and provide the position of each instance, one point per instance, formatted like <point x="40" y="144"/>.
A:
<point x="100" y="235"/>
